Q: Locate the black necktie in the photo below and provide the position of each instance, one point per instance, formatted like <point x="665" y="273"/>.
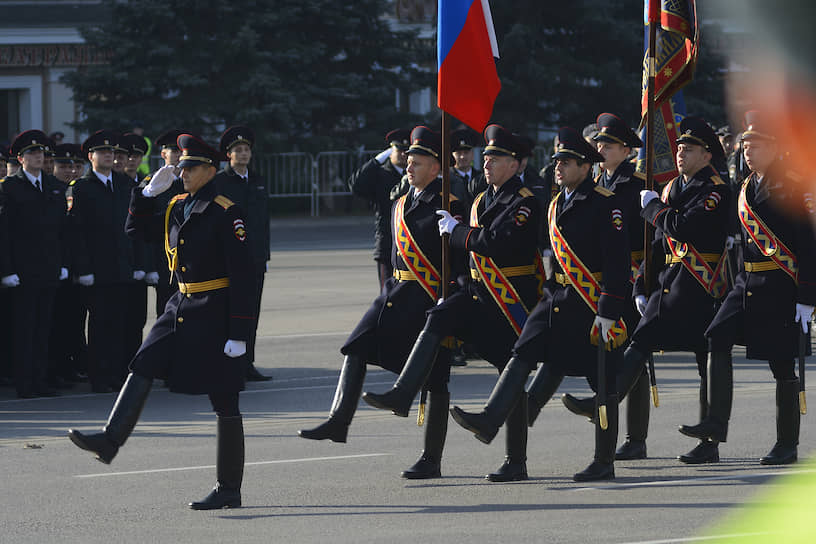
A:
<point x="39" y="187"/>
<point x="109" y="185"/>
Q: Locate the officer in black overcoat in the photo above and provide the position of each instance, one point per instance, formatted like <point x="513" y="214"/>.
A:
<point x="691" y="221"/>
<point x="772" y="302"/>
<point x="32" y="258"/>
<point x="373" y="182"/>
<point x="247" y="189"/>
<point x="102" y="257"/>
<point x="389" y="328"/>
<point x="196" y="343"/>
<point x="560" y="329"/>
<point x="502" y="234"/>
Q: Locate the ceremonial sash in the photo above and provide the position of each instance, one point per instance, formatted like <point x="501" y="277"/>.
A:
<point x="713" y="280"/>
<point x="634" y="265"/>
<point x="580" y="278"/>
<point x="412" y="255"/>
<point x="764" y="238"/>
<point x="501" y="290"/>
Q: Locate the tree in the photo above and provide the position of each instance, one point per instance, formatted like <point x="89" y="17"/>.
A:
<point x="310" y="74"/>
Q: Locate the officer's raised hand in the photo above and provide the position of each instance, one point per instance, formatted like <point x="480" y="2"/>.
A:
<point x="12" y="280"/>
<point x="646" y="197"/>
<point x="234" y="348"/>
<point x="446" y="222"/>
<point x="161" y="181"/>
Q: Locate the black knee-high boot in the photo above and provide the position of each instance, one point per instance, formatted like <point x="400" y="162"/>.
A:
<point x="706" y="451"/>
<point x="416" y="370"/>
<point x="603" y="464"/>
<point x="346" y="398"/>
<point x="544" y="385"/>
<point x="514" y="468"/>
<point x="436" y="429"/>
<point x="720" y="393"/>
<point x="784" y="451"/>
<point x="503" y="398"/>
<point x="229" y="466"/>
<point x="637" y="421"/>
<point x="120" y="423"/>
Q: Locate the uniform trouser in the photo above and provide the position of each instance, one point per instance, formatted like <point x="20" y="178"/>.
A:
<point x="724" y="335"/>
<point x="260" y="273"/>
<point x="67" y="343"/>
<point x="384" y="271"/>
<point x="106" y="332"/>
<point x="6" y="356"/>
<point x="31" y="329"/>
<point x="134" y="321"/>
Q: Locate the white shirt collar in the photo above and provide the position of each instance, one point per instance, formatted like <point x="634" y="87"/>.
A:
<point x="104" y="179"/>
<point x="398" y="169"/>
<point x="33" y="179"/>
<point x="568" y="194"/>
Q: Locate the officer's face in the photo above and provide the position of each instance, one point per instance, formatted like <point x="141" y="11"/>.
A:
<point x="101" y="159"/>
<point x="171" y="155"/>
<point x="399" y="157"/>
<point x="463" y="159"/>
<point x="499" y="168"/>
<point x="64" y="171"/>
<point x="119" y="160"/>
<point x="759" y="154"/>
<point x="239" y="155"/>
<point x="421" y="170"/>
<point x="569" y="174"/>
<point x="196" y="177"/>
<point x="613" y="154"/>
<point x="77" y="169"/>
<point x="132" y="163"/>
<point x="522" y="165"/>
<point x="48" y="164"/>
<point x="32" y="160"/>
<point x="691" y="158"/>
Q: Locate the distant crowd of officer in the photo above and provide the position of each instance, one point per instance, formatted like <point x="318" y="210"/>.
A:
<point x="67" y="266"/>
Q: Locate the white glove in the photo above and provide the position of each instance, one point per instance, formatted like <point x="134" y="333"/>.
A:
<point x="729" y="242"/>
<point x="604" y="325"/>
<point x="138" y="275"/>
<point x="161" y="181"/>
<point x="546" y="254"/>
<point x="640" y="304"/>
<point x="383" y="156"/>
<point x="63" y="274"/>
<point x="804" y="314"/>
<point x="86" y="280"/>
<point x="646" y="197"/>
<point x="11" y="281"/>
<point x="152" y="278"/>
<point x="234" y="348"/>
<point x="447" y="222"/>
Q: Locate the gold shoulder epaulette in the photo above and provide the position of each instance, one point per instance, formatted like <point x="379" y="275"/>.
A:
<point x="525" y="192"/>
<point x="603" y="190"/>
<point x="717" y="180"/>
<point x="178" y="197"/>
<point x="639" y="175"/>
<point x="224" y="202"/>
<point x="2" y="180"/>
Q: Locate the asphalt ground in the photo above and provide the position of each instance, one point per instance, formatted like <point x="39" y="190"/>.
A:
<point x="320" y="281"/>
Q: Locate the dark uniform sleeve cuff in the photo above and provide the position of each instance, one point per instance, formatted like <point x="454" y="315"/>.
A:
<point x="459" y="236"/>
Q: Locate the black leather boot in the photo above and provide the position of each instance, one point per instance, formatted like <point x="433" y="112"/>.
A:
<point x="720" y="376"/>
<point x="626" y="378"/>
<point x="252" y="374"/>
<point x="416" y="370"/>
<point x="514" y="468"/>
<point x="229" y="466"/>
<point x="784" y="451"/>
<point x="346" y="398"/>
<point x="706" y="451"/>
<point x="544" y="385"/>
<point x="436" y="429"/>
<point x="603" y="465"/>
<point x="120" y="423"/>
<point x="503" y="398"/>
<point x="637" y="421"/>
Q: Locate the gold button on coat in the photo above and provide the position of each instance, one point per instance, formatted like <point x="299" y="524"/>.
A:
<point x="749" y="293"/>
<point x="389" y="304"/>
<point x="665" y="290"/>
<point x="184" y="269"/>
<point x="181" y="241"/>
<point x="180" y="320"/>
<point x="475" y="298"/>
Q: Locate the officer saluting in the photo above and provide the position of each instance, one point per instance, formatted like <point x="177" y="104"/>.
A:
<point x="389" y="328"/>
<point x="206" y="324"/>
<point x="489" y="308"/>
<point x="772" y="301"/>
<point x="589" y="242"/>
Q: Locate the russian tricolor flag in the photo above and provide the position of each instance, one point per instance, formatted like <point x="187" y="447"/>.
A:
<point x="467" y="83"/>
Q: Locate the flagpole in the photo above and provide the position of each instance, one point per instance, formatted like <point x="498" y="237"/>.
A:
<point x="648" y="236"/>
<point x="446" y="156"/>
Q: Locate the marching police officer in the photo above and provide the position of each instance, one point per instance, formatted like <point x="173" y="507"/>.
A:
<point x="581" y="305"/>
<point x="248" y="190"/>
<point x="206" y="324"/>
<point x="771" y="305"/>
<point x="691" y="221"/>
<point x="32" y="258"/>
<point x="489" y="309"/>
<point x="373" y="182"/>
<point x="389" y="328"/>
